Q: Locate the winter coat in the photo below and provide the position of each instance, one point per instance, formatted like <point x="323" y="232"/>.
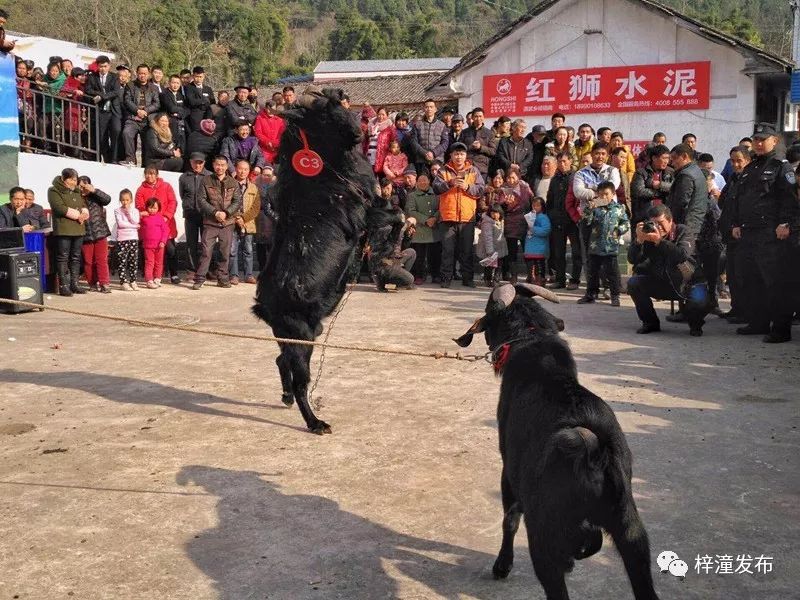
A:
<point x="97" y="226"/>
<point x="556" y="200"/>
<point x="551" y="150"/>
<point x="156" y="150"/>
<point x="581" y="149"/>
<point x="162" y="191"/>
<point x="511" y="151"/>
<point x="608" y="224"/>
<point x="109" y="94"/>
<point x="630" y="164"/>
<point x="516" y="203"/>
<point x="189" y="187"/>
<point x="661" y="261"/>
<point x="8" y="218"/>
<point x="422" y="206"/>
<point x="725" y="203"/>
<point x="384" y="137"/>
<point x="219" y="195"/>
<point x="127" y="223"/>
<point x="268" y="129"/>
<point x="51" y="105"/>
<point x="235" y="148"/>
<point x="428" y="136"/>
<point x="200" y="142"/>
<point x="73" y="105"/>
<point x="174" y="105"/>
<point x="492" y="238"/>
<point x="154" y="231"/>
<point x="67" y="205"/>
<point x="238" y="114"/>
<point x="130" y="100"/>
<point x="537" y="240"/>
<point x="643" y="195"/>
<point x="481" y="157"/>
<point x="584" y="184"/>
<point x="394" y="165"/>
<point x="688" y="199"/>
<point x="251" y="206"/>
<point x="455" y="204"/>
<point x="199" y="101"/>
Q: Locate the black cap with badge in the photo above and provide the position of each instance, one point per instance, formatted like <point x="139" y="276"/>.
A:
<point x="764" y="130"/>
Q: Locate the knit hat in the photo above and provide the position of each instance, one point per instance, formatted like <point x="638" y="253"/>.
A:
<point x="208" y="126"/>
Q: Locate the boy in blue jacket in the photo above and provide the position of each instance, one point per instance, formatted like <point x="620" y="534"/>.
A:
<point x="609" y="221"/>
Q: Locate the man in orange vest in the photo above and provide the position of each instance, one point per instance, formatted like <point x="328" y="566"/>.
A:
<point x="459" y="185"/>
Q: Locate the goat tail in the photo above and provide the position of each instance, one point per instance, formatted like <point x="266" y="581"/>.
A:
<point x="580" y="448"/>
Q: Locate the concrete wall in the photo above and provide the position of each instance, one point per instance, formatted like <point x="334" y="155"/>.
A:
<point x="37" y="171"/>
<point x="40" y="49"/>
<point x="629" y="35"/>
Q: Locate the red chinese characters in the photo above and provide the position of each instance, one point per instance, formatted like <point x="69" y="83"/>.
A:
<point x="682" y="86"/>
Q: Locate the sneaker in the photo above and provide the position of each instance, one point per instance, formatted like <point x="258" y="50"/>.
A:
<point x="76" y="289"/>
<point x="157" y="282"/>
<point x="251" y="279"/>
<point x="175" y="280"/>
<point x="134" y="286"/>
<point x="614" y="300"/>
<point x="64" y="291"/>
<point x="126" y="287"/>
<point x="586" y="300"/>
<point x="572" y="285"/>
<point x="649" y="328"/>
<point x="197" y="285"/>
<point x="234" y="280"/>
<point x="103" y="289"/>
<point x="151" y="285"/>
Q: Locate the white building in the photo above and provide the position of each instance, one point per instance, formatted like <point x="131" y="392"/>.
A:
<point x="566" y="44"/>
<point x="39" y="49"/>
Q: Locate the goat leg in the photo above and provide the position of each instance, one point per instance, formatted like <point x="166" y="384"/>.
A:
<point x="285" y="370"/>
<point x="301" y="375"/>
<point x="630" y="538"/>
<point x="513" y="513"/>
<point x="549" y="570"/>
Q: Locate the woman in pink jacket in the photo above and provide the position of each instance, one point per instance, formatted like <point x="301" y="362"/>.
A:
<point x="268" y="128"/>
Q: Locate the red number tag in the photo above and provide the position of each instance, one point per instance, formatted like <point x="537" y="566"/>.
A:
<point x="307" y="162"/>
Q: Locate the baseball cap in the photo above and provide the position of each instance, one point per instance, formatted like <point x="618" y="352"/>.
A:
<point x="458" y="146"/>
<point x="197" y="156"/>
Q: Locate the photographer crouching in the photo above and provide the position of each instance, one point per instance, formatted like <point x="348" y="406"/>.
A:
<point x="665" y="269"/>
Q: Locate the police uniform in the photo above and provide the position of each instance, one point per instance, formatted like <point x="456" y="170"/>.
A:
<point x="766" y="198"/>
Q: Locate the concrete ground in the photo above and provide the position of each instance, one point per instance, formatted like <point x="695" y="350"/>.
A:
<point x="142" y="463"/>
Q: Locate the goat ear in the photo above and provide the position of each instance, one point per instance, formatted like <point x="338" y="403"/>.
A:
<point x="560" y="324"/>
<point x="477" y="327"/>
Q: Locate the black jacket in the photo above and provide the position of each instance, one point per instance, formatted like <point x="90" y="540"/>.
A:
<point x="200" y="142"/>
<point x="154" y="149"/>
<point x="643" y="194"/>
<point x="481" y="157"/>
<point x="8" y="218"/>
<point x="560" y="185"/>
<point x="236" y="114"/>
<point x="109" y="93"/>
<point x="727" y="206"/>
<point x="662" y="260"/>
<point x="766" y="195"/>
<point x="188" y="187"/>
<point x="97" y="226"/>
<point x="510" y="152"/>
<point x="199" y="102"/>
<point x="130" y="104"/>
<point x="174" y="105"/>
<point x="688" y="199"/>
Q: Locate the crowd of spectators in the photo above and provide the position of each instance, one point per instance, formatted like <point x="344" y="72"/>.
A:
<point x="473" y="195"/>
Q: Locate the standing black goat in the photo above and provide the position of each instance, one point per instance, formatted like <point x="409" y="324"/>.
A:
<point x="566" y="464"/>
<point x="320" y="220"/>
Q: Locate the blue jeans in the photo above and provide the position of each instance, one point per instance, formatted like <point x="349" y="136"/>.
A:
<point x="246" y="241"/>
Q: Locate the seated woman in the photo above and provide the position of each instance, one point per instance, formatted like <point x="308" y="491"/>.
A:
<point x="160" y="149"/>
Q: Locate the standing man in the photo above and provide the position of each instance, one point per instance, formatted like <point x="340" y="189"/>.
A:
<point x="289" y="97"/>
<point x="515" y="151"/>
<point x="557" y="120"/>
<point x="688" y="195"/>
<point x="563" y="228"/>
<point x="219" y="200"/>
<point x="174" y="104"/>
<point x="429" y="138"/>
<point x="240" y="111"/>
<point x="102" y="89"/>
<point x="140" y="100"/>
<point x="189" y="189"/>
<point x="766" y="221"/>
<point x="245" y="224"/>
<point x="459" y="186"/>
<point x="651" y="184"/>
<point x="199" y="97"/>
<point x="481" y="144"/>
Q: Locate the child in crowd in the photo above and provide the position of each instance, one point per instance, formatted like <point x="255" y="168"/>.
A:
<point x="154" y="235"/>
<point x="395" y="163"/>
<point x="537" y="242"/>
<point x="609" y="221"/>
<point x="127" y="218"/>
<point x="492" y="246"/>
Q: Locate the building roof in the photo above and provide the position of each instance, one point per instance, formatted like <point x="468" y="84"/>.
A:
<point x="22" y="36"/>
<point x="391" y="90"/>
<point x="479" y="53"/>
<point x="405" y="64"/>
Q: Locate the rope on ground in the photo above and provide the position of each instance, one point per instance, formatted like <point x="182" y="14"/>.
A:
<point x="258" y="338"/>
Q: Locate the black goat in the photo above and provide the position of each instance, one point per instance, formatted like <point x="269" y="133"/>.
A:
<point x="320" y="221"/>
<point x="566" y="464"/>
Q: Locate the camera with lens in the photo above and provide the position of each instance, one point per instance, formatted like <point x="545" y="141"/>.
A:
<point x="649" y="227"/>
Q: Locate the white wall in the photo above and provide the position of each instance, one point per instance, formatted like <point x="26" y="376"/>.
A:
<point x="40" y="49"/>
<point x="37" y="171"/>
<point x="631" y="35"/>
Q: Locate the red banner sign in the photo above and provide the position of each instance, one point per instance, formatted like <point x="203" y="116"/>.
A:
<point x="682" y="86"/>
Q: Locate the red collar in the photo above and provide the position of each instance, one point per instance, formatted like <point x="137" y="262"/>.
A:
<point x="501" y="354"/>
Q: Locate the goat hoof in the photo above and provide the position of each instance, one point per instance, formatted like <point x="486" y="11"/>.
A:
<point x="500" y="570"/>
<point x="320" y="428"/>
<point x="287" y="399"/>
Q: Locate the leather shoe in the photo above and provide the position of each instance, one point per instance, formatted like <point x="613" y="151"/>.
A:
<point x="777" y="338"/>
<point x="64" y="291"/>
<point x="750" y="330"/>
<point x="250" y="279"/>
<point x="586" y="300"/>
<point x="649" y="328"/>
<point x="76" y="289"/>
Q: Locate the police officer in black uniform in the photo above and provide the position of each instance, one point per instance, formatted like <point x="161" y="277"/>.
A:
<point x="766" y="215"/>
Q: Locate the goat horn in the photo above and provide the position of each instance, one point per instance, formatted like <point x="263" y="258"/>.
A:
<point x="538" y="290"/>
<point x="504" y="294"/>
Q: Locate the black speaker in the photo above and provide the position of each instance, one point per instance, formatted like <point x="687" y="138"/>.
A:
<point x="19" y="280"/>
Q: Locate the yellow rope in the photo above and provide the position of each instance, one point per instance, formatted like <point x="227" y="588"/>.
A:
<point x="245" y="336"/>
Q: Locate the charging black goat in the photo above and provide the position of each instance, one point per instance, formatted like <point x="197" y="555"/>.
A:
<point x="320" y="220"/>
<point x="566" y="464"/>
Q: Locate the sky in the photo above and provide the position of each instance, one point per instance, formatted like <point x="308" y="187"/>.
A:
<point x="9" y="123"/>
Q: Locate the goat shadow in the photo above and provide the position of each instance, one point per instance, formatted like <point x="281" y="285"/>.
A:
<point x="129" y="390"/>
<point x="268" y="543"/>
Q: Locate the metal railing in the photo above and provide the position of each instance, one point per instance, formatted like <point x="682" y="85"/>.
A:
<point x="60" y="124"/>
